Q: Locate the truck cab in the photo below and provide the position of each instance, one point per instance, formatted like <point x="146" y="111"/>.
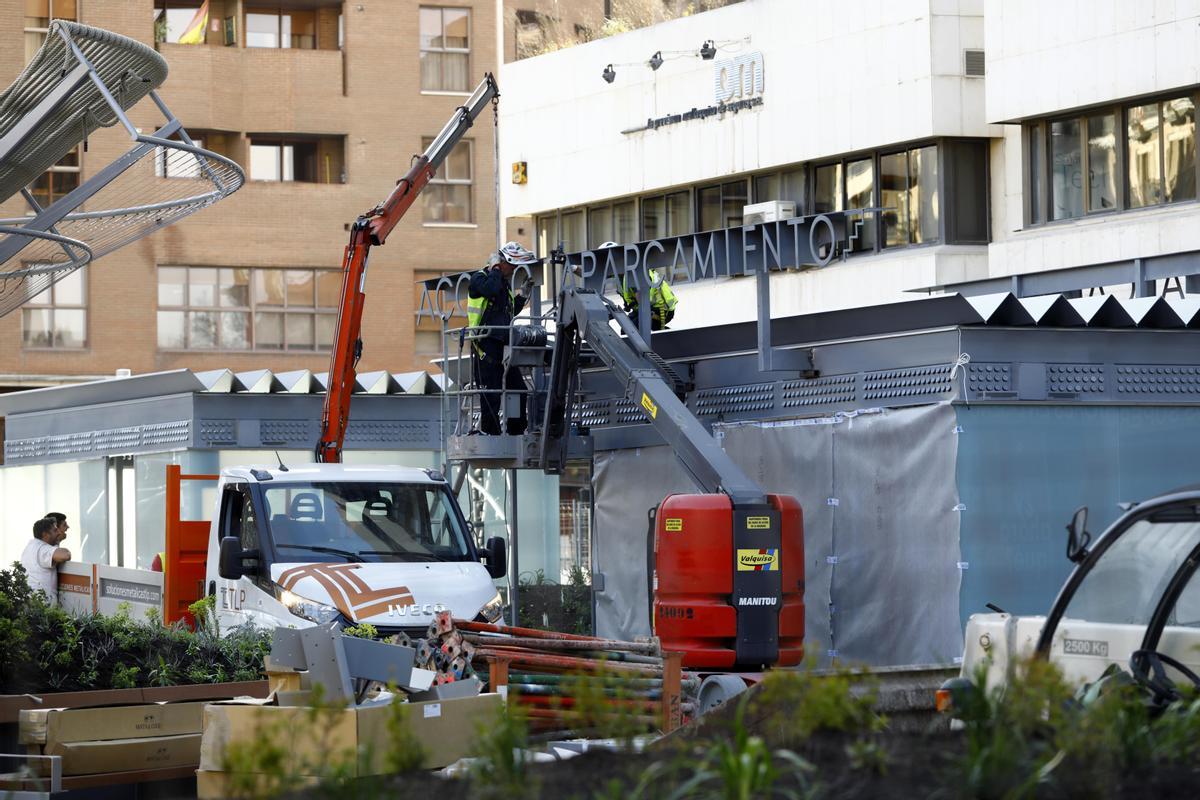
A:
<point x="308" y="545"/>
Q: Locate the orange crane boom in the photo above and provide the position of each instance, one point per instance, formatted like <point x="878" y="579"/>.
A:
<point x="369" y="230"/>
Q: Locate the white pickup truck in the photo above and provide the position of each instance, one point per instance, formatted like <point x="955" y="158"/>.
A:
<point x="309" y="544"/>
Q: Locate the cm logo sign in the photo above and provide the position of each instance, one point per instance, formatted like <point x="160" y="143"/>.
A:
<point x="739" y="77"/>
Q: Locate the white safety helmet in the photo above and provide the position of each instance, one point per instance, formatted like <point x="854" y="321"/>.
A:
<point x="607" y="245"/>
<point x="516" y="254"/>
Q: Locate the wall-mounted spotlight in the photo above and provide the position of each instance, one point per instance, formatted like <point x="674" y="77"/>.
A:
<point x="656" y="60"/>
<point x="609" y="74"/>
<point x="708" y="50"/>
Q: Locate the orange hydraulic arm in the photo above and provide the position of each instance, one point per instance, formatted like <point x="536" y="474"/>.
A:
<point x="372" y="229"/>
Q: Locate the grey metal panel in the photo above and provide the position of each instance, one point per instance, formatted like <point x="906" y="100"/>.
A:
<point x="113" y="390"/>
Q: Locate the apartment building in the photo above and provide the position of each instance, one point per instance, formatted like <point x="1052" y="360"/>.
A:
<point x="323" y="103"/>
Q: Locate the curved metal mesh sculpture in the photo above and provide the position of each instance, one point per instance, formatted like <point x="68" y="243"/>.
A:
<point x="82" y="79"/>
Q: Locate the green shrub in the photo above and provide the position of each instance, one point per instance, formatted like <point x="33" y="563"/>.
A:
<point x="795" y="704"/>
<point x="46" y="649"/>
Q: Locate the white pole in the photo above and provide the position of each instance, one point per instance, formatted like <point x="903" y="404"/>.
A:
<point x="496" y="128"/>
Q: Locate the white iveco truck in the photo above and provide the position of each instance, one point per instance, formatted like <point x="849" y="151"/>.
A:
<point x="311" y="544"/>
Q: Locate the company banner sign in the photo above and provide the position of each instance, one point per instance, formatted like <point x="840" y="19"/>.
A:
<point x="84" y="588"/>
<point x="797" y="243"/>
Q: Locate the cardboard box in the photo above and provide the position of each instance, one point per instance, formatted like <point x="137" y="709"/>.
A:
<point x="61" y="725"/>
<point x="357" y="737"/>
<point x="122" y="755"/>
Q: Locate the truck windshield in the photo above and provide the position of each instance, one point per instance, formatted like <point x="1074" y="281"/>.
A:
<point x="373" y="521"/>
<point x="1127" y="581"/>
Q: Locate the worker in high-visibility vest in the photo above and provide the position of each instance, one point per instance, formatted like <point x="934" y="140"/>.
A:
<point x="491" y="306"/>
<point x="662" y="300"/>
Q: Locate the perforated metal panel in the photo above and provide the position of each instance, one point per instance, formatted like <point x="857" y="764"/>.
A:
<point x="974" y="63"/>
<point x="157" y="435"/>
<point x="593" y="413"/>
<point x="285" y="431"/>
<point x="166" y="432"/>
<point x="895" y="384"/>
<point x="626" y="412"/>
<point x="818" y="391"/>
<point x="388" y="431"/>
<point x="735" y="399"/>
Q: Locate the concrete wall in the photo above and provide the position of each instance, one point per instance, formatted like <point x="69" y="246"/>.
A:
<point x="838" y="78"/>
<point x="1044" y="58"/>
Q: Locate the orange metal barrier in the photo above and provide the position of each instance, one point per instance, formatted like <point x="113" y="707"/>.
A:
<point x="186" y="551"/>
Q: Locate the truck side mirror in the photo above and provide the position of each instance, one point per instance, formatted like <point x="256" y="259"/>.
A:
<point x="1078" y="538"/>
<point x="496" y="556"/>
<point x="229" y="563"/>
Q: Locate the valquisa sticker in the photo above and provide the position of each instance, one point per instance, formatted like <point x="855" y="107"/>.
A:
<point x="758" y="560"/>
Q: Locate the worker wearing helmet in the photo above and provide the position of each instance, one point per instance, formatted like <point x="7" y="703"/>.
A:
<point x="662" y="299"/>
<point x="491" y="306"/>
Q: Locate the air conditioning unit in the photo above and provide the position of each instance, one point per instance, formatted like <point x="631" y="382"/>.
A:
<point x="774" y="211"/>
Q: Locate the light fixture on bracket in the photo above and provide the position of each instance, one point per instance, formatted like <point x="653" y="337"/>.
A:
<point x="656" y="60"/>
<point x="708" y="50"/>
<point x="609" y="74"/>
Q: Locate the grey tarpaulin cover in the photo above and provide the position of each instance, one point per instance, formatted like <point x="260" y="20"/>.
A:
<point x="881" y="529"/>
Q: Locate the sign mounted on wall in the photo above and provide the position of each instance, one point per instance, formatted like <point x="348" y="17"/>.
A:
<point x="738" y="85"/>
<point x="520" y="172"/>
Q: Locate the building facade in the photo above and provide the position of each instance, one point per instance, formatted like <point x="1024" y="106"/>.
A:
<point x="982" y="140"/>
<point x="323" y="104"/>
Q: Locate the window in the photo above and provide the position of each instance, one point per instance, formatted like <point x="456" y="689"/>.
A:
<point x="180" y="164"/>
<point x="303" y="160"/>
<point x="827" y="189"/>
<point x="1161" y="138"/>
<point x="1111" y="160"/>
<point x="908" y="190"/>
<point x="666" y="215"/>
<point x="721" y="206"/>
<point x="860" y="193"/>
<point x="38" y="14"/>
<point x="448" y="197"/>
<point x="224" y="308"/>
<point x="180" y="21"/>
<point x="281" y="28"/>
<point x="58" y="316"/>
<point x="445" y="49"/>
<point x="615" y="223"/>
<point x="573" y="231"/>
<point x="57" y="181"/>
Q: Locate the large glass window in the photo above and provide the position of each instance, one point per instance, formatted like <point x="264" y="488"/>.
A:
<point x="1066" y="169"/>
<point x="448" y="197"/>
<point x="1161" y="139"/>
<point x="908" y="184"/>
<point x="303" y="160"/>
<point x="666" y="215"/>
<point x="58" y="316"/>
<point x="38" y="14"/>
<point x="721" y="206"/>
<point x="1076" y="165"/>
<point x="827" y="188"/>
<point x="615" y="223"/>
<point x="445" y="49"/>
<point x="573" y="231"/>
<point x="225" y="308"/>
<point x="860" y="193"/>
<point x="600" y="226"/>
<point x="281" y="28"/>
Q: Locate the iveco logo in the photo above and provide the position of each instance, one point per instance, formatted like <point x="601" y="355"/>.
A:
<point x="739" y="77"/>
<point x="757" y="601"/>
<point x="414" y="610"/>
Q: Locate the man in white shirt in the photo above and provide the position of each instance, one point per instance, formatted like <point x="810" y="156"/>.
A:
<point x="42" y="556"/>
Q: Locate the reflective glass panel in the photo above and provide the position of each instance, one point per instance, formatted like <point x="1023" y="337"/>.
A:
<point x="708" y="201"/>
<point x="37" y="327"/>
<point x="456" y="24"/>
<point x="264" y="162"/>
<point x="202" y="329"/>
<point x="1145" y="176"/>
<point x="300" y="287"/>
<point x="235" y="288"/>
<point x="262" y="29"/>
<point x="573" y="236"/>
<point x="268" y="331"/>
<point x="1066" y="170"/>
<point x="654" y="218"/>
<point x="599" y="225"/>
<point x="329" y="288"/>
<point x="299" y="331"/>
<point x="1102" y="162"/>
<point x="893" y="197"/>
<point x="860" y="193"/>
<point x="679" y="217"/>
<point x="268" y="287"/>
<point x="1036" y="170"/>
<point x="766" y="188"/>
<point x="70" y="327"/>
<point x="1179" y="148"/>
<point x="235" y="330"/>
<point x="827" y="188"/>
<point x="170" y="330"/>
<point x="68" y="291"/>
<point x="625" y="222"/>
<point x="202" y="286"/>
<point x="923" y="194"/>
<point x="733" y="203"/>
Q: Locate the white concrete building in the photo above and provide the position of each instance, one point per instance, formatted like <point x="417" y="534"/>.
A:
<point x="879" y="105"/>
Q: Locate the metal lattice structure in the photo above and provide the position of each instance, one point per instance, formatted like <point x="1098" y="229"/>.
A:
<point x="83" y="79"/>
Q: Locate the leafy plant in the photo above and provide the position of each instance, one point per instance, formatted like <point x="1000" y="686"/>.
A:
<point x="500" y="770"/>
<point x="608" y="704"/>
<point x="795" y="704"/>
<point x="363" y="631"/>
